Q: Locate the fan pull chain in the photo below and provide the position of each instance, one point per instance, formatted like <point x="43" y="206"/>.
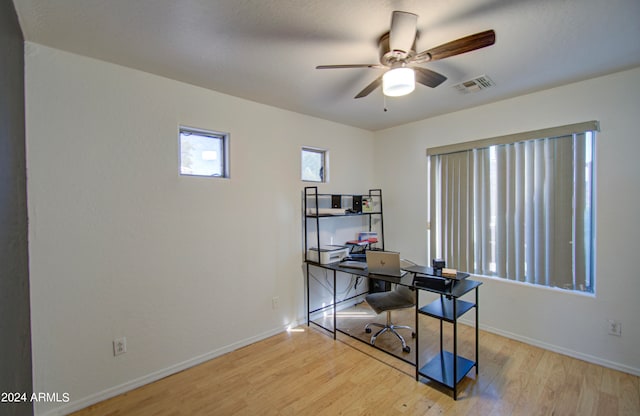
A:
<point x="384" y="102"/>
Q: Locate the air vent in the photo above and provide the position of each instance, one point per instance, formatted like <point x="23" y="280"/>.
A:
<point x="474" y="85"/>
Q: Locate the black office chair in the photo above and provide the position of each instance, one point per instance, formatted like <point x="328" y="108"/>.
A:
<point x="401" y="297"/>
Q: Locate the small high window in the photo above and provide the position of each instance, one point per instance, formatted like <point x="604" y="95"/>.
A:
<point x="314" y="165"/>
<point x="204" y="153"/>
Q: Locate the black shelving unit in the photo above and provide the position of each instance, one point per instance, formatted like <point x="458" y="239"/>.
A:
<point x="448" y="368"/>
<point x="312" y="201"/>
<point x="312" y="204"/>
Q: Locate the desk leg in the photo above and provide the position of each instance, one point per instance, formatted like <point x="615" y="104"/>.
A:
<point x="441" y="326"/>
<point x="335" y="328"/>
<point x="455" y="350"/>
<point x="308" y="300"/>
<point x="417" y="329"/>
<point x="477" y="332"/>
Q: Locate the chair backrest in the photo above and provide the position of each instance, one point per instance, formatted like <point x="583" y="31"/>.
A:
<point x="407" y="293"/>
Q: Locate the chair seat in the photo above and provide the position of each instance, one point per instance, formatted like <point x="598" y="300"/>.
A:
<point x="399" y="298"/>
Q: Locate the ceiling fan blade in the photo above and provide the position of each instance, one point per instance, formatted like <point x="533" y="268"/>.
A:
<point x="428" y="77"/>
<point x="377" y="66"/>
<point x="457" y="47"/>
<point x="369" y="88"/>
<point x="403" y="32"/>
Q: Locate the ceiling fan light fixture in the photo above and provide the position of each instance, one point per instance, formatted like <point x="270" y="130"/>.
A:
<point x="398" y="82"/>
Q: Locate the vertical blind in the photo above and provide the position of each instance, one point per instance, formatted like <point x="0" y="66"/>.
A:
<point x="517" y="207"/>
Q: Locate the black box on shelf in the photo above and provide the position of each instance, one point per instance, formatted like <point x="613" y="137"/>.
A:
<point x="357" y="203"/>
<point x="432" y="282"/>
<point x="336" y="201"/>
<point x="438" y="264"/>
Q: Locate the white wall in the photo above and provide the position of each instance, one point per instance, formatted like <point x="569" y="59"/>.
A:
<point x="121" y="245"/>
<point x="569" y="323"/>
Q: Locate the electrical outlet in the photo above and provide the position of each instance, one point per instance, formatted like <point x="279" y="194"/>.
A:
<point x="275" y="302"/>
<point x="615" y="327"/>
<point x="119" y="346"/>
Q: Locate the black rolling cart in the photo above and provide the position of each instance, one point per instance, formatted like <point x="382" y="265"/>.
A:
<point x="447" y="368"/>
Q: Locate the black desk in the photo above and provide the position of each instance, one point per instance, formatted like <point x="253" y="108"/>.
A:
<point x="447" y="368"/>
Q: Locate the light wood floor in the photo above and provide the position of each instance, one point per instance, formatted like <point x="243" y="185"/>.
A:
<point x="306" y="372"/>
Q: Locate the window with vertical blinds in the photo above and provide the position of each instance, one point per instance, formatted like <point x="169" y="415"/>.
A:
<point x="519" y="207"/>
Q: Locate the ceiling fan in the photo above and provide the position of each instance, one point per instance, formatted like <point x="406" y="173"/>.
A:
<point x="398" y="57"/>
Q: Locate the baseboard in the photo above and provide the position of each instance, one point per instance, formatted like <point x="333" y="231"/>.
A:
<point x="76" y="405"/>
<point x="555" y="348"/>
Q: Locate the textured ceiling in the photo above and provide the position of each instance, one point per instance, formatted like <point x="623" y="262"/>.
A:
<point x="266" y="50"/>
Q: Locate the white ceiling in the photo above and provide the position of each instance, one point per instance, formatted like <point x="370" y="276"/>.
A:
<point x="267" y="50"/>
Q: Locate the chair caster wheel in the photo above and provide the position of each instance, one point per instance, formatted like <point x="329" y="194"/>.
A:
<point x="413" y="335"/>
<point x="367" y="330"/>
<point x="406" y="349"/>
